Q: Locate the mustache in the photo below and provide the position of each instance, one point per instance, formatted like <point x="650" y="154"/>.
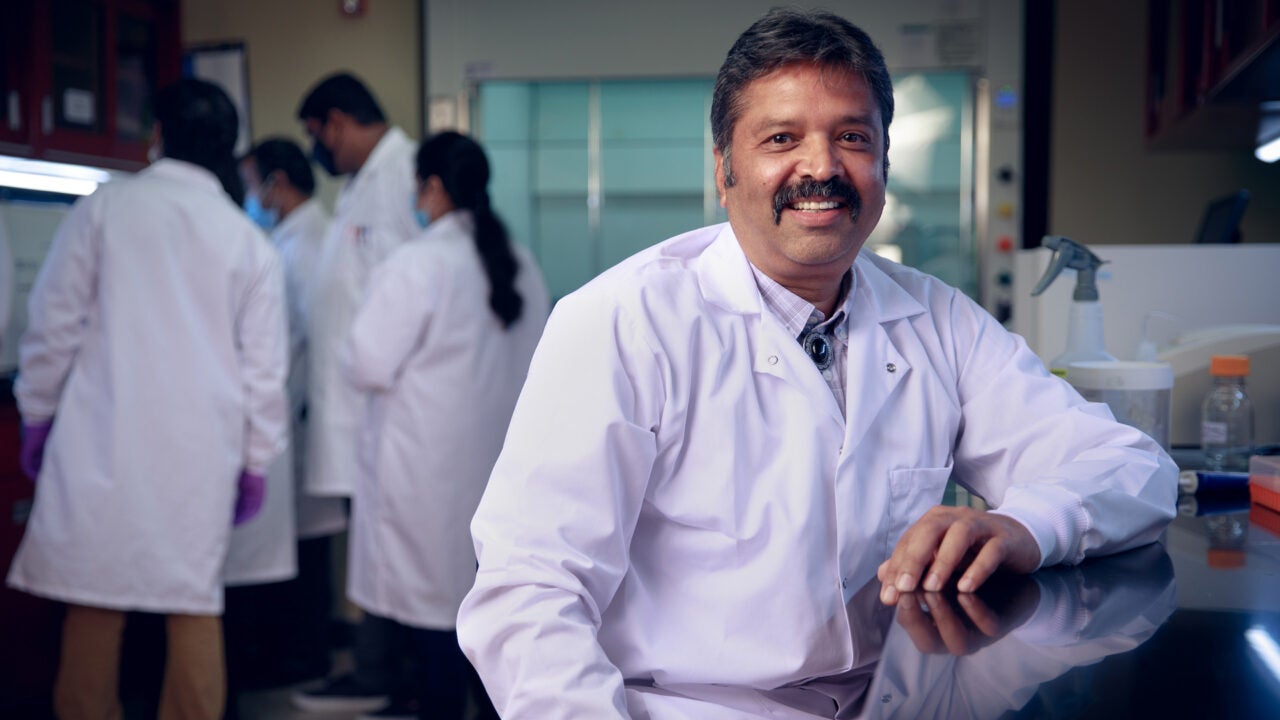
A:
<point x="832" y="189"/>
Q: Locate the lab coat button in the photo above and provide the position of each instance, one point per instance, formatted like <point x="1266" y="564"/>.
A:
<point x="891" y="367"/>
<point x="773" y="360"/>
<point x="844" y="583"/>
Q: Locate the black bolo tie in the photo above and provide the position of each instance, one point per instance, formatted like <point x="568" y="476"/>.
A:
<point x="818" y="348"/>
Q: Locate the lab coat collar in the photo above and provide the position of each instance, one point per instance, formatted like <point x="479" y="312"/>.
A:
<point x="184" y="172"/>
<point x="725" y="275"/>
<point x="877" y="293"/>
<point x="875" y="300"/>
<point x="726" y="278"/>
<point x="297" y="218"/>
<point x="389" y="145"/>
<point x="454" y="222"/>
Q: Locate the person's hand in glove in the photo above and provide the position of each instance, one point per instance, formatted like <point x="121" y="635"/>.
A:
<point x="31" y="456"/>
<point x="252" y="491"/>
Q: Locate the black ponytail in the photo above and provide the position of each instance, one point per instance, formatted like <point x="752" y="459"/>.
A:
<point x="461" y="165"/>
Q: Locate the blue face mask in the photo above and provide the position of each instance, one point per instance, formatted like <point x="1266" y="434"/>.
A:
<point x="264" y="218"/>
<point x="420" y="215"/>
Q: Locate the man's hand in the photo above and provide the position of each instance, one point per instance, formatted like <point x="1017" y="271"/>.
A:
<point x="951" y="540"/>
<point x="963" y="623"/>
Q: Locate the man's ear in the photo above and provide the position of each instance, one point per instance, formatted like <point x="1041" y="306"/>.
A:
<point x="337" y="119"/>
<point x="720" y="184"/>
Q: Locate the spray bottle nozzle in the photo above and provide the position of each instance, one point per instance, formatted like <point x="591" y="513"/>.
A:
<point x="1068" y="253"/>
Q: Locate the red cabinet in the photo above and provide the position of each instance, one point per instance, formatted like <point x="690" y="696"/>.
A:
<point x="1210" y="64"/>
<point x="78" y="75"/>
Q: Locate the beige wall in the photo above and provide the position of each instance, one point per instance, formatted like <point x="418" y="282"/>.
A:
<point x="293" y="43"/>
<point x="1105" y="186"/>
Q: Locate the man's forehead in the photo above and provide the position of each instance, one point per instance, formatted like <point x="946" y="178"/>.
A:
<point x="831" y="75"/>
<point x="836" y="79"/>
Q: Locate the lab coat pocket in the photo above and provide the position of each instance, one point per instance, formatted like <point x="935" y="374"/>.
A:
<point x="912" y="491"/>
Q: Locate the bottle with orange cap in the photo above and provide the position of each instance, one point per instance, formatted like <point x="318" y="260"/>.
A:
<point x="1226" y="419"/>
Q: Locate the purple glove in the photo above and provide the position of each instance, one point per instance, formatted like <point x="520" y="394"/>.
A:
<point x="31" y="456"/>
<point x="253" y="489"/>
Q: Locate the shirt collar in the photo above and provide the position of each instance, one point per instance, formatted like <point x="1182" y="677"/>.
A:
<point x="795" y="313"/>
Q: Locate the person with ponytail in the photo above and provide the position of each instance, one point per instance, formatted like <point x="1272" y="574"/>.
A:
<point x="442" y="341"/>
<point x="151" y="386"/>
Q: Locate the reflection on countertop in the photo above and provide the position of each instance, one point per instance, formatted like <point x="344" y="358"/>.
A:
<point x="1114" y="637"/>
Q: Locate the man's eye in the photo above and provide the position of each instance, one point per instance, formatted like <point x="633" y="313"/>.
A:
<point x="852" y="137"/>
<point x="780" y="139"/>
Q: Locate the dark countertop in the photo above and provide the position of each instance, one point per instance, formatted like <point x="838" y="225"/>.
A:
<point x="1185" y="628"/>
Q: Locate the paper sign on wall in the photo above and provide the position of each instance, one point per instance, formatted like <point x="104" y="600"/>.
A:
<point x="78" y="106"/>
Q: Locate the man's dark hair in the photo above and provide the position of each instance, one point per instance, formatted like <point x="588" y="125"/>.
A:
<point x="284" y="155"/>
<point x="344" y="92"/>
<point x="198" y="124"/>
<point x="785" y="36"/>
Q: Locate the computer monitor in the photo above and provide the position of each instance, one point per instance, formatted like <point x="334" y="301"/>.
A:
<point x="1221" y="221"/>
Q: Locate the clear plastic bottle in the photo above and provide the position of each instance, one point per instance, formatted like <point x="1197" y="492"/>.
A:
<point x="1226" y="418"/>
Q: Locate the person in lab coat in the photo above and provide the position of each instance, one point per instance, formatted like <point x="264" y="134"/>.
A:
<point x="154" y="365"/>
<point x="728" y="435"/>
<point x="373" y="215"/>
<point x="442" y="342"/>
<point x="277" y="631"/>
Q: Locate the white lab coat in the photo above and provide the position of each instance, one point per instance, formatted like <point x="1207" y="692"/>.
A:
<point x="300" y="239"/>
<point x="444" y="375"/>
<point x="373" y="215"/>
<point x="156" y="341"/>
<point x="680" y="500"/>
<point x="265" y="549"/>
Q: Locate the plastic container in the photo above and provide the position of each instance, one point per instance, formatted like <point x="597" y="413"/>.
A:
<point x="1226" y="417"/>
<point x="1264" y="481"/>
<point x="1138" y="393"/>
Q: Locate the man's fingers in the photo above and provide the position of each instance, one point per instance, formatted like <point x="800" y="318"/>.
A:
<point x="951" y="627"/>
<point x="984" y="564"/>
<point x="914" y="618"/>
<point x="939" y="546"/>
<point x="955" y="546"/>
<point x="980" y="614"/>
<point x="912" y="555"/>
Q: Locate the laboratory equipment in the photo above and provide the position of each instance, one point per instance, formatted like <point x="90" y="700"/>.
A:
<point x="1264" y="481"/>
<point x="1138" y="393"/>
<point x="1084" y="329"/>
<point x="1226" y="425"/>
<point x="1200" y="316"/>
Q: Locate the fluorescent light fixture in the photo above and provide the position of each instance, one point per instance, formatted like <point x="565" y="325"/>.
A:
<point x="1268" y="143"/>
<point x="1261" y="642"/>
<point x="50" y="177"/>
<point x="1269" y="151"/>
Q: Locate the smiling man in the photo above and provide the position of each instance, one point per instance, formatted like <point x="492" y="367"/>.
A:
<point x="728" y="438"/>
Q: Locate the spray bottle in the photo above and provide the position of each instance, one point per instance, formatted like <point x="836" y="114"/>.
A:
<point x="1084" y="329"/>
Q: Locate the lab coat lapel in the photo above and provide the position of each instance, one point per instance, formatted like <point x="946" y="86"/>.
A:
<point x="727" y="280"/>
<point x="876" y="365"/>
